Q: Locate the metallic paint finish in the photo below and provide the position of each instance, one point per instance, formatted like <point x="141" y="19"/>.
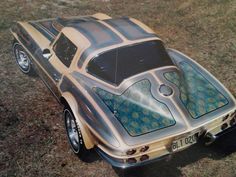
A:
<point x="89" y="139"/>
<point x="35" y="50"/>
<point x="137" y="110"/>
<point x="42" y="30"/>
<point x="70" y="21"/>
<point x="99" y="125"/>
<point x="137" y="140"/>
<point x="90" y="115"/>
<point x="99" y="36"/>
<point x="129" y="29"/>
<point x="52" y="71"/>
<point x="38" y="60"/>
<point x="50" y="30"/>
<point x="197" y="94"/>
<point x="25" y="38"/>
<point x="49" y="26"/>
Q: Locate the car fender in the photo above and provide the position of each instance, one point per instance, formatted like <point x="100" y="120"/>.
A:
<point x="88" y="139"/>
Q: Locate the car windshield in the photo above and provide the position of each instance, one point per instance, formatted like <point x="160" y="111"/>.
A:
<point x="118" y="64"/>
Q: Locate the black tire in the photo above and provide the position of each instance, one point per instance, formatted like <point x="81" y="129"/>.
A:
<point x="77" y="145"/>
<point x="19" y="51"/>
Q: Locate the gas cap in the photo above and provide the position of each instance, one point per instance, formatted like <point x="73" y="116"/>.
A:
<point x="165" y="90"/>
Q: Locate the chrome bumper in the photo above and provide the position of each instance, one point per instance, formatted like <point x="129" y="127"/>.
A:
<point x="122" y="164"/>
<point x="118" y="163"/>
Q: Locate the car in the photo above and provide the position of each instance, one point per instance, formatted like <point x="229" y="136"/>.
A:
<point x="124" y="93"/>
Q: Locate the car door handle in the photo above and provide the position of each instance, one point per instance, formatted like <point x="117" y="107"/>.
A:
<point x="56" y="77"/>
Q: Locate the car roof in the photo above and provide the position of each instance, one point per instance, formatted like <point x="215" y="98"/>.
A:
<point x="106" y="33"/>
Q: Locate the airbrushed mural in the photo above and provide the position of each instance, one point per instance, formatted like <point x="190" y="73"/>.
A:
<point x="124" y="93"/>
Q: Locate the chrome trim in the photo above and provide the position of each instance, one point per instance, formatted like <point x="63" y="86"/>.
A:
<point x="124" y="165"/>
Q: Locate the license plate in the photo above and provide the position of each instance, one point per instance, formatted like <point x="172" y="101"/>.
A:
<point x="183" y="142"/>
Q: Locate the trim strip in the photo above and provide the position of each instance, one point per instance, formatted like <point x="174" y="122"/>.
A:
<point x="42" y="31"/>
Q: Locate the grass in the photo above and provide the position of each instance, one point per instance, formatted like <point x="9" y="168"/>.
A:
<point x="32" y="138"/>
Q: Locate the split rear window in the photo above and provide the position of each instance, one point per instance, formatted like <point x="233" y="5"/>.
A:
<point x="118" y="64"/>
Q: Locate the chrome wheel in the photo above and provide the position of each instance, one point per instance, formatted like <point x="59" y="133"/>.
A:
<point x="22" y="58"/>
<point x="73" y="132"/>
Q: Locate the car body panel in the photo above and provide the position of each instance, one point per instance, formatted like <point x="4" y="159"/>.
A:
<point x="137" y="110"/>
<point x="197" y="94"/>
<point x="197" y="102"/>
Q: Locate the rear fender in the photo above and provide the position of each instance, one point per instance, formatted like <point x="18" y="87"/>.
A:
<point x="88" y="139"/>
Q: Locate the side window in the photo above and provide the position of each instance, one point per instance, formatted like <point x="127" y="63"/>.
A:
<point x="65" y="50"/>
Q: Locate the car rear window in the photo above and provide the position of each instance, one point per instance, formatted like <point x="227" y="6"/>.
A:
<point x="118" y="64"/>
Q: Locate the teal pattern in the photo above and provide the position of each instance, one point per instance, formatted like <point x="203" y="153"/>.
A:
<point x="137" y="110"/>
<point x="197" y="94"/>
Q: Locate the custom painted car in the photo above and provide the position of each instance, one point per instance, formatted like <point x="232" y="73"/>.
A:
<point x="124" y="93"/>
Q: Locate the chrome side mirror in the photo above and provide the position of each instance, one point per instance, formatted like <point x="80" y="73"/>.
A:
<point x="47" y="53"/>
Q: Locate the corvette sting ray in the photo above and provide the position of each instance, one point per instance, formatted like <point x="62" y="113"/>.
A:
<point x="124" y="93"/>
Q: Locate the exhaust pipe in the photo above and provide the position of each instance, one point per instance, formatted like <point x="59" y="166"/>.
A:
<point x="209" y="139"/>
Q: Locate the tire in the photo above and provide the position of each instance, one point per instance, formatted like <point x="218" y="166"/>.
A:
<point x="74" y="134"/>
<point x="23" y="59"/>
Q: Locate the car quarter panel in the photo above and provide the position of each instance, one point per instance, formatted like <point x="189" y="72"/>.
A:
<point x="90" y="117"/>
<point x="182" y="61"/>
<point x="87" y="137"/>
<point x="222" y="101"/>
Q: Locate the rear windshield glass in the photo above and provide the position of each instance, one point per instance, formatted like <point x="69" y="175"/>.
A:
<point x="118" y="64"/>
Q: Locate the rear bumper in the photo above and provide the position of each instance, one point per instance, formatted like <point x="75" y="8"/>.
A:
<point x="123" y="164"/>
<point x="226" y="131"/>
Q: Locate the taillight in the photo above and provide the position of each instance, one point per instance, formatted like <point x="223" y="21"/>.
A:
<point x="144" y="149"/>
<point x="225" y="117"/>
<point x="131" y="160"/>
<point x="224" y="126"/>
<point x="233" y="114"/>
<point x="232" y="121"/>
<point x="131" y="152"/>
<point x="144" y="157"/>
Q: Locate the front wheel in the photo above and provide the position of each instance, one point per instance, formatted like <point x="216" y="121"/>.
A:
<point x="74" y="134"/>
<point x="22" y="59"/>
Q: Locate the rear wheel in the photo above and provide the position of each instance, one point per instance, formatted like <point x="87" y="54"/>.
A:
<point x="22" y="59"/>
<point x="74" y="134"/>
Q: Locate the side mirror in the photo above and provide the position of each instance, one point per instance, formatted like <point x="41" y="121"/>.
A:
<point x="46" y="53"/>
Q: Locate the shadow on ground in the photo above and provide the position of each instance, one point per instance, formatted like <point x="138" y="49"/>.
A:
<point x="223" y="147"/>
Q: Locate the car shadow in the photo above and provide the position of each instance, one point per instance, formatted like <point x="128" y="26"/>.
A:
<point x="224" y="146"/>
<point x="91" y="156"/>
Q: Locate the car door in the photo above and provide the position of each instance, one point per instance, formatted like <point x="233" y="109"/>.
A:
<point x="62" y="52"/>
<point x="36" y="46"/>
